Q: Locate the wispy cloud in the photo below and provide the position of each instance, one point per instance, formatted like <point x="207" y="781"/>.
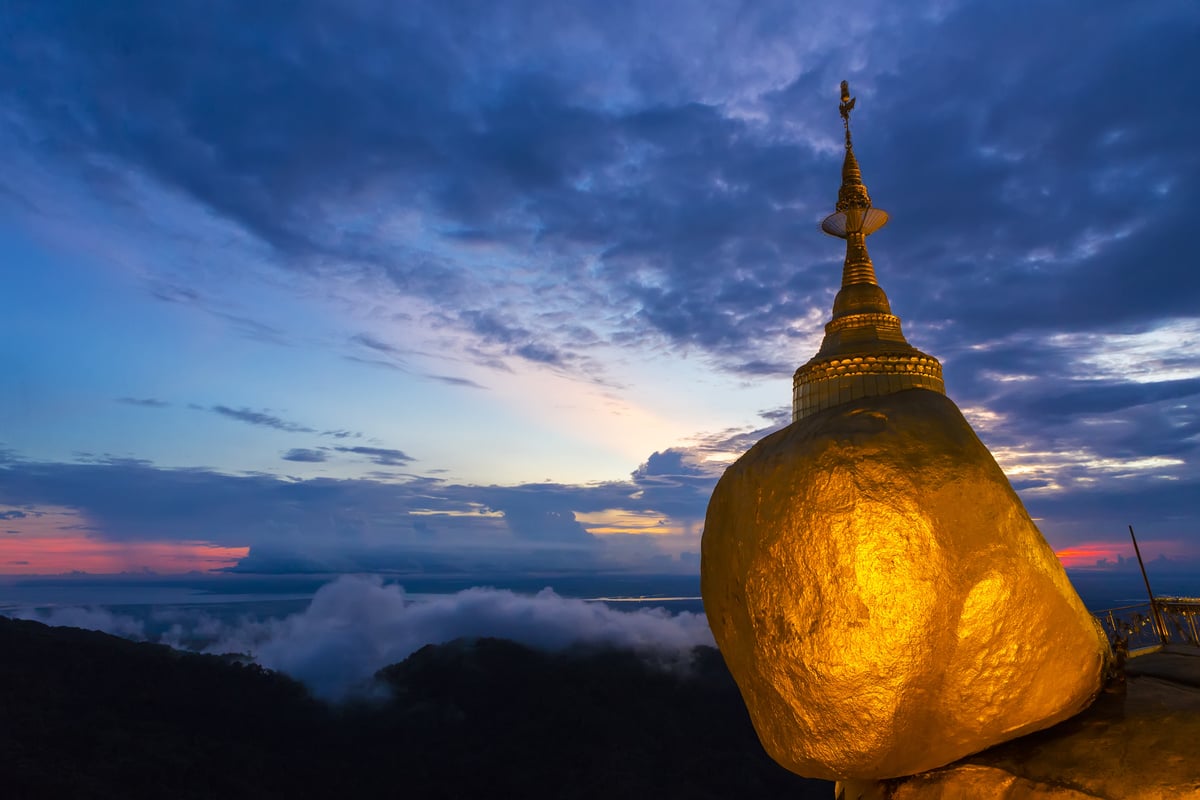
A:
<point x="372" y="343"/>
<point x="305" y="456"/>
<point x="456" y="381"/>
<point x="343" y="434"/>
<point x="261" y="418"/>
<point x="247" y="326"/>
<point x="147" y="402"/>
<point x="380" y="455"/>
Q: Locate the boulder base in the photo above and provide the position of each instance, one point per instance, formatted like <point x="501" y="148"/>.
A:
<point x="1137" y="742"/>
<point x="882" y="598"/>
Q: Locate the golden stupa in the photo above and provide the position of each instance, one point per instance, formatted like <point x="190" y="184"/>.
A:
<point x="878" y="591"/>
<point x="864" y="353"/>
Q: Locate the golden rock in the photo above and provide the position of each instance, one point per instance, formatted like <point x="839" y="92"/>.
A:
<point x="879" y="593"/>
<point x="883" y="599"/>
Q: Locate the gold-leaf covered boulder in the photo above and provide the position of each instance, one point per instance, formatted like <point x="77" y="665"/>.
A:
<point x="882" y="598"/>
<point x="877" y="589"/>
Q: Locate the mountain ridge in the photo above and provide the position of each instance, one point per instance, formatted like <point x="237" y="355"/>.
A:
<point x="87" y="714"/>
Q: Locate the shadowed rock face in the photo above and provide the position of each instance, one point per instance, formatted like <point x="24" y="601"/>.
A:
<point x="1137" y="742"/>
<point x="883" y="599"/>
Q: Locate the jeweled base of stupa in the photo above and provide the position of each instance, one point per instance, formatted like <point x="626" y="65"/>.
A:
<point x="831" y="378"/>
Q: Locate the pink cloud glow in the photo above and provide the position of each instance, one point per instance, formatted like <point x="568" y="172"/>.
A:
<point x="58" y="540"/>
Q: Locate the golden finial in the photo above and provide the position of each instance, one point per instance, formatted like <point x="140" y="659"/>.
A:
<point x="845" y="108"/>
<point x="853" y="212"/>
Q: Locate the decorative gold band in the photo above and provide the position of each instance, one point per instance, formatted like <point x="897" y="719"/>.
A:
<point x="825" y="384"/>
<point x="886" y="321"/>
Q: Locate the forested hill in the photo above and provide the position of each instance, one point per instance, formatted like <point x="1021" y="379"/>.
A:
<point x="88" y="715"/>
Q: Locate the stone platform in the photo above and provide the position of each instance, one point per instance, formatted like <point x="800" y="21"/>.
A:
<point x="1139" y="741"/>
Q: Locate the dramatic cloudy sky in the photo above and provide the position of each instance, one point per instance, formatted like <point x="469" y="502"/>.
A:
<point x="504" y="285"/>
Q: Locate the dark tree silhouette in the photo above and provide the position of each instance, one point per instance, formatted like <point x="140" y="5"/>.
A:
<point x="88" y="715"/>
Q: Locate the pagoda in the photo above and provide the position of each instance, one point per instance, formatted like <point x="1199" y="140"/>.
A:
<point x="864" y="352"/>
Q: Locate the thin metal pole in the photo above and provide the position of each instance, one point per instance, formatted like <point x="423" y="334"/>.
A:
<point x="1159" y="627"/>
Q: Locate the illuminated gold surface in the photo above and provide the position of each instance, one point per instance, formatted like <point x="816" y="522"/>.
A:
<point x="864" y="353"/>
<point x="1137" y="745"/>
<point x="883" y="599"/>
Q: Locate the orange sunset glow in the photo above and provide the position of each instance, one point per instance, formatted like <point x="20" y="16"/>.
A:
<point x="48" y="555"/>
<point x="54" y="540"/>
<point x="1086" y="555"/>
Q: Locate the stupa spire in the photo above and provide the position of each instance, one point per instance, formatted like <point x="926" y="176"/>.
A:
<point x="864" y="353"/>
<point x="854" y="219"/>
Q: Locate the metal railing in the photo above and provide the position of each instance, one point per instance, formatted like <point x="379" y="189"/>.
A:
<point x="1168" y="620"/>
<point x="1165" y="620"/>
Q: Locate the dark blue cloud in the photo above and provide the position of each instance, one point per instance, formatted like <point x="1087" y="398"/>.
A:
<point x="145" y="402"/>
<point x="986" y="141"/>
<point x="1071" y="398"/>
<point x="539" y="352"/>
<point x="670" y="463"/>
<point x="379" y="455"/>
<point x="374" y="344"/>
<point x="343" y="434"/>
<point x="261" y="418"/>
<point x="306" y="456"/>
<point x="359" y="106"/>
<point x="336" y="525"/>
<point x="543" y="524"/>
<point x="453" y="380"/>
<point x="317" y="105"/>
